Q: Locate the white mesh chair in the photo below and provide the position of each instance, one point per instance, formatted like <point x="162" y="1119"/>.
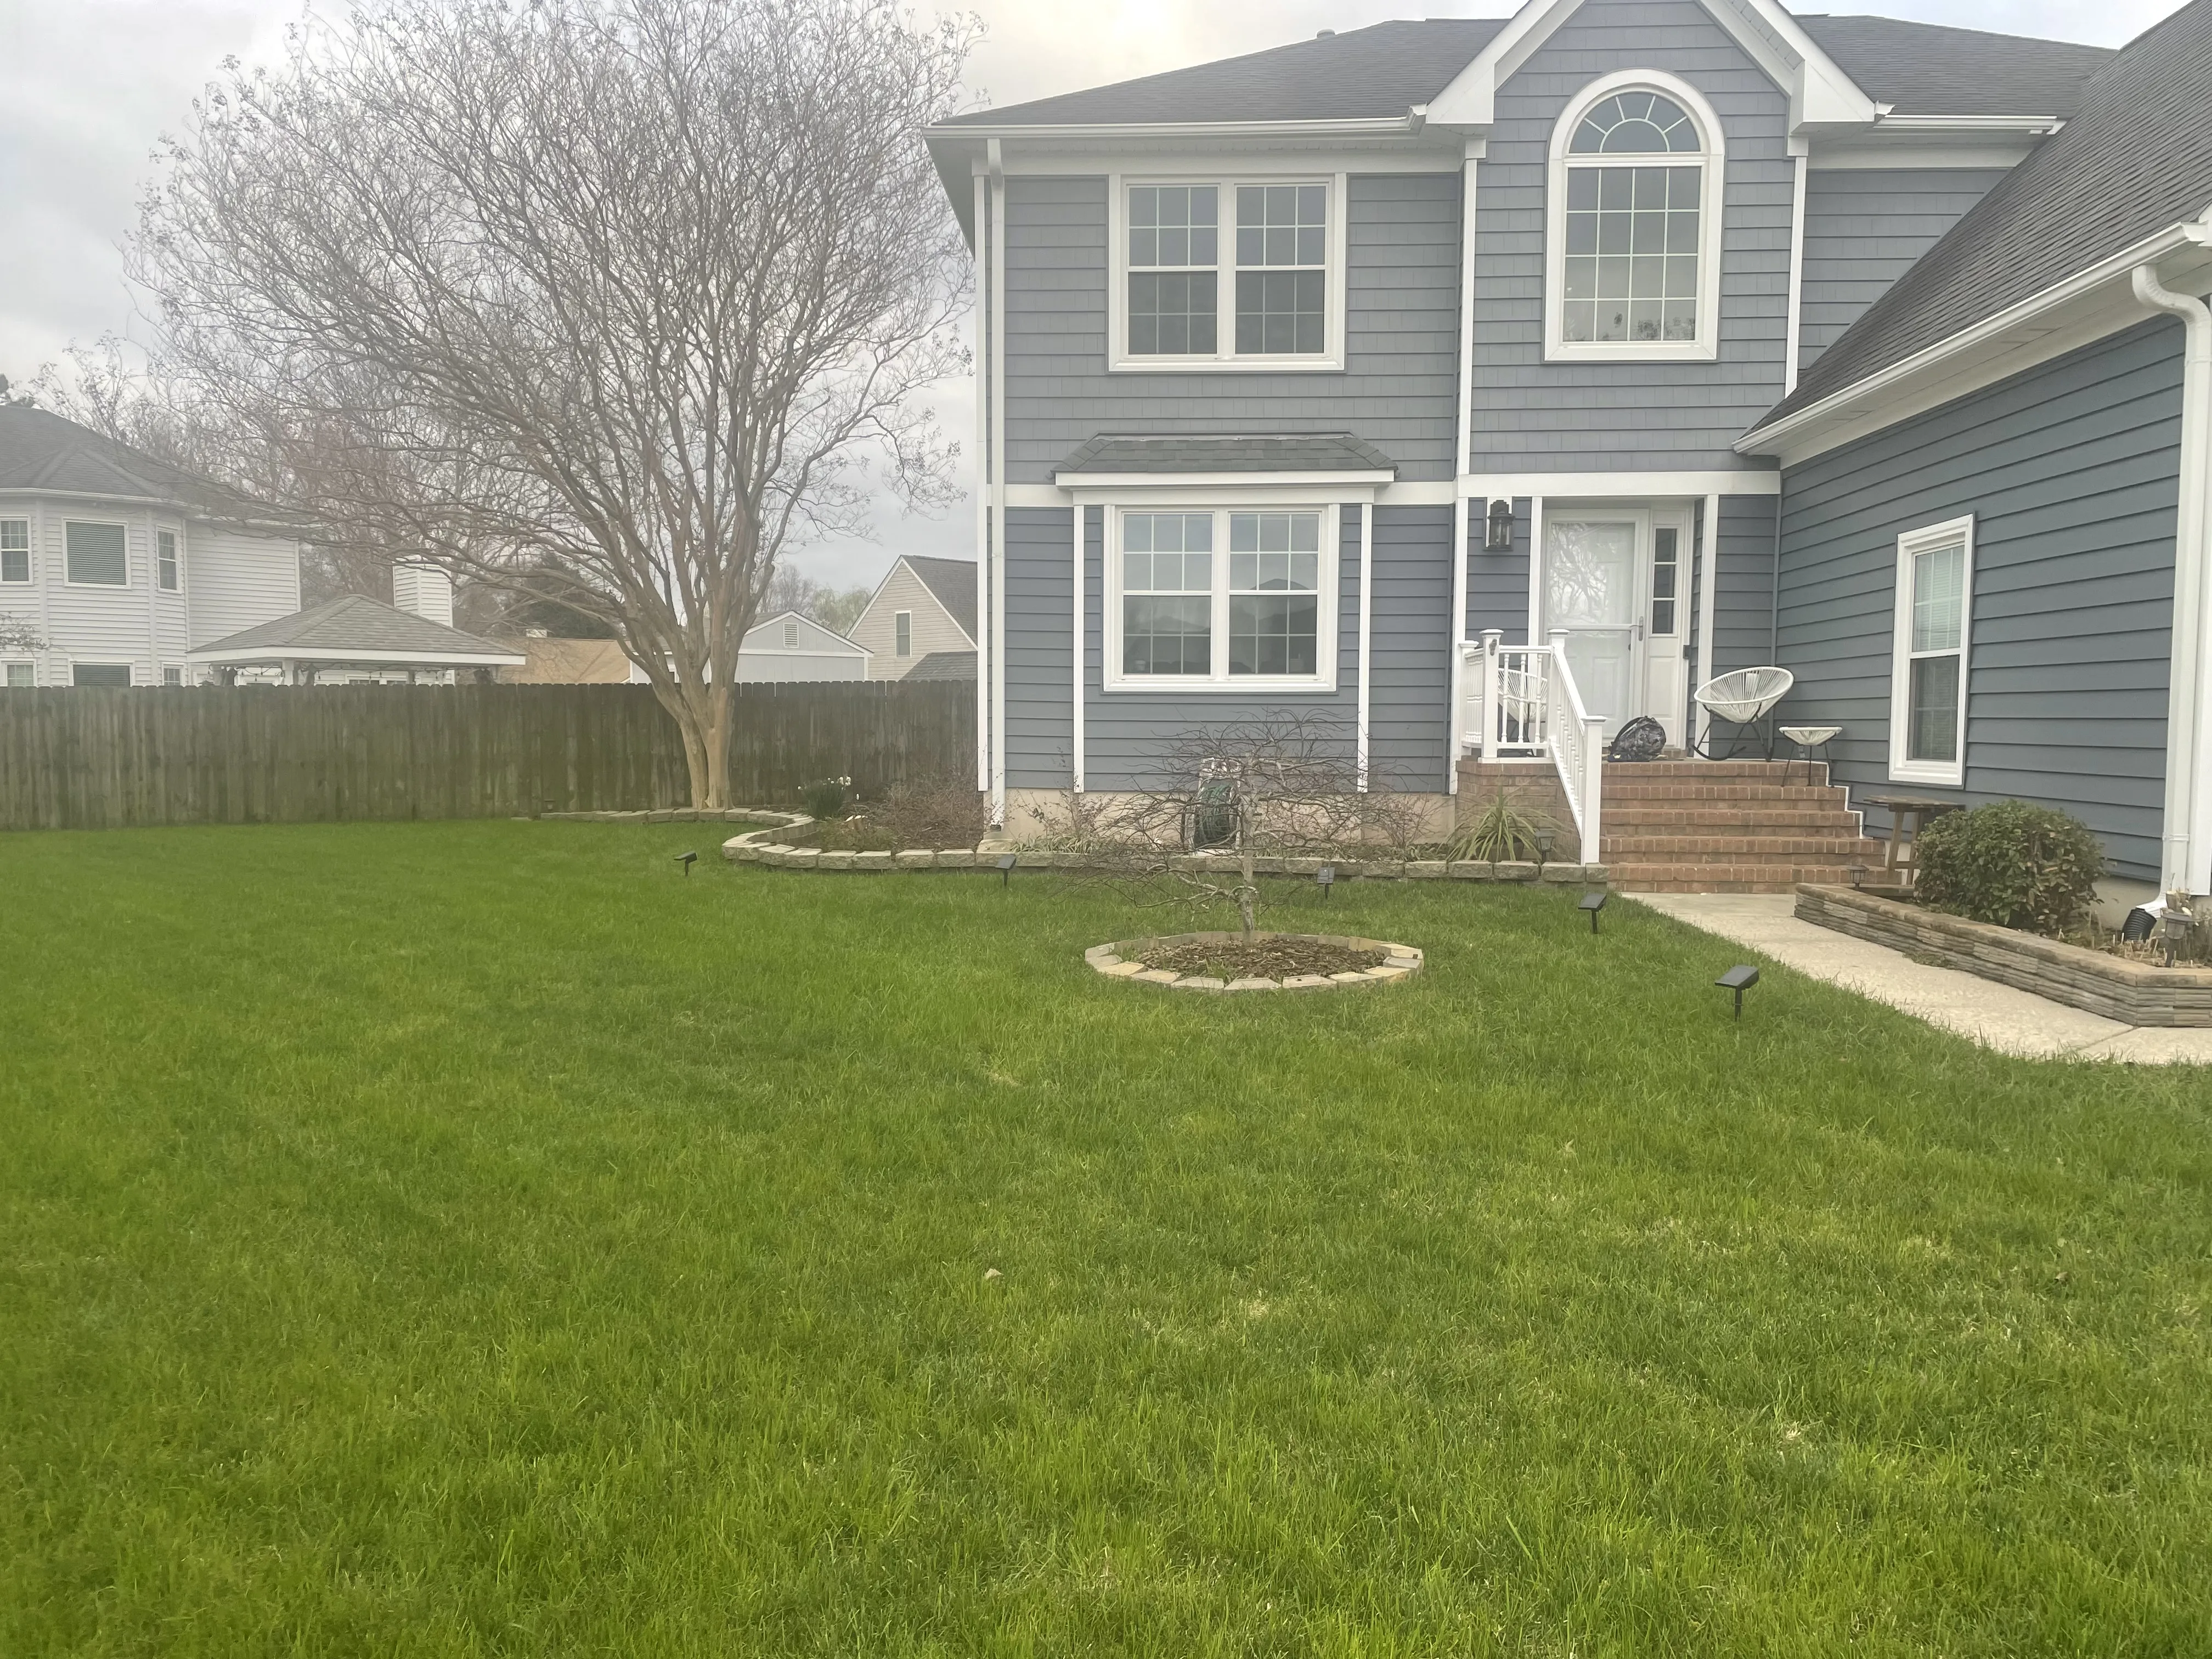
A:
<point x="1743" y="698"/>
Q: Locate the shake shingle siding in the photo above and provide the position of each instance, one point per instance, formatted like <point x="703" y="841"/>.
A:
<point x="1498" y="583"/>
<point x="1040" y="590"/>
<point x="1531" y="414"/>
<point x="2071" y="470"/>
<point x="1743" y="590"/>
<point x="1128" y="735"/>
<point x="1409" y="687"/>
<point x="1863" y="227"/>
<point x="1398" y="390"/>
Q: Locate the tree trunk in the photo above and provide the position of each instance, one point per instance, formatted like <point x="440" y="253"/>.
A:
<point x="1247" y="894"/>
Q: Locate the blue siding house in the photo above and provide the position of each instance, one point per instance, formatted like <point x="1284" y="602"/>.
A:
<point x="1475" y="387"/>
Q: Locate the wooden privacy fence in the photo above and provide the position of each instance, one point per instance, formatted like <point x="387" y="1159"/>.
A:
<point x="97" y="759"/>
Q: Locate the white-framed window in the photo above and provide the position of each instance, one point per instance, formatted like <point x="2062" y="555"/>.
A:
<point x="902" y="633"/>
<point x="107" y="674"/>
<point x="1227" y="272"/>
<point x="19" y="676"/>
<point x="15" y="550"/>
<point x="791" y="636"/>
<point x="172" y="675"/>
<point x="1634" y="225"/>
<point x="1933" y="640"/>
<point x="95" y="555"/>
<point x="1666" y="580"/>
<point x="165" y="559"/>
<point x="1231" y="598"/>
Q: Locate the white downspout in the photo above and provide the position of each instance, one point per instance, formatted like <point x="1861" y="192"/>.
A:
<point x="998" y="327"/>
<point x="1456" y="681"/>
<point x="1709" y="545"/>
<point x="1793" y="333"/>
<point x="983" y="492"/>
<point x="1075" y="706"/>
<point x="2187" y="852"/>
<point x="1366" y="621"/>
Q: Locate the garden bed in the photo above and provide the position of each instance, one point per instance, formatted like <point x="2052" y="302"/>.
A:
<point x="1268" y="961"/>
<point x="2133" y="993"/>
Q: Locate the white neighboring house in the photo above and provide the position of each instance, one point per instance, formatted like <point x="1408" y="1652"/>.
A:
<point x="121" y="564"/>
<point x="793" y="647"/>
<point x="353" y="640"/>
<point x="923" y="612"/>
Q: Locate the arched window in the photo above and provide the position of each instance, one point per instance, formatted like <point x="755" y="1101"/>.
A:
<point x="1636" y="164"/>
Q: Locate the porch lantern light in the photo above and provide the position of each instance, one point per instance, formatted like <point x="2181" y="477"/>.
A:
<point x="1326" y="877"/>
<point x="687" y="860"/>
<point x="1593" y="902"/>
<point x="1739" y="978"/>
<point x="1007" y="870"/>
<point x="1498" y="528"/>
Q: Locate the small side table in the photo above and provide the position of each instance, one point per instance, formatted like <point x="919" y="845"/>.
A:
<point x="1908" y="816"/>
<point x="1810" y="741"/>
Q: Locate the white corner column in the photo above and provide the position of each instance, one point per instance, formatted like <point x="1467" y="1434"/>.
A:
<point x="1462" y="460"/>
<point x="997" y="325"/>
<point x="1709" y="541"/>
<point x="1792" y="330"/>
<point x="1366" y="625"/>
<point x="1078" y="512"/>
<point x="984" y="641"/>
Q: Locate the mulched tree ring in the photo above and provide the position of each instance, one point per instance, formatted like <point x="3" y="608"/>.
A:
<point x="1269" y="962"/>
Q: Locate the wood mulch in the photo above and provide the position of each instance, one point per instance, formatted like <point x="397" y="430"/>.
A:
<point x="1264" y="958"/>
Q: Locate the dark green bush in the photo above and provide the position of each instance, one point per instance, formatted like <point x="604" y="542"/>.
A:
<point x="2014" y="864"/>
<point x="826" y="798"/>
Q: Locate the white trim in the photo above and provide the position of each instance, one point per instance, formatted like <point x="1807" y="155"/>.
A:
<point x="1366" y="629"/>
<point x="7" y="663"/>
<point x="2041" y="126"/>
<point x="1977" y="356"/>
<point x="1366" y="126"/>
<point x="1536" y="569"/>
<point x="1213" y="495"/>
<point x="1044" y="158"/>
<point x="1455" y="641"/>
<point x="69" y="580"/>
<point x="1075" y="700"/>
<point x="1462" y="454"/>
<point x="984" y="493"/>
<point x="306" y="653"/>
<point x="1930" y="539"/>
<point x="1328" y="648"/>
<point x="1862" y="152"/>
<point x="1225" y="357"/>
<point x="1214" y="480"/>
<point x="998" y="327"/>
<point x="1712" y="162"/>
<point x="29" y="551"/>
<point x="1764" y="482"/>
<point x="1793" y="335"/>
<point x="1439" y="492"/>
<point x="1708" y="546"/>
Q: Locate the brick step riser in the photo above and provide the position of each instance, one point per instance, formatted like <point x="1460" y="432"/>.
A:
<point x="1720" y="879"/>
<point x="1704" y="849"/>
<point x="1712" y="769"/>
<point x="1764" y="795"/>
<point x="1637" y="820"/>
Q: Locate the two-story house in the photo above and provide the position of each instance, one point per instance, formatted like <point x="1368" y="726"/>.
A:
<point x="1662" y="336"/>
<point x="117" y="565"/>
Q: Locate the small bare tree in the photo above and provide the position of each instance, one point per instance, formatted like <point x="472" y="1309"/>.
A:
<point x="629" y="290"/>
<point x="17" y="635"/>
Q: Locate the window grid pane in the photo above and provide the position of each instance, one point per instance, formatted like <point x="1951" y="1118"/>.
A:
<point x="21" y="675"/>
<point x="1939" y="599"/>
<point x="1274" y="608"/>
<point x="95" y="554"/>
<point x="1636" y="122"/>
<point x="1666" y="570"/>
<point x="1167" y="585"/>
<point x="1282" y="283"/>
<point x="1630" y="265"/>
<point x="1933" y="729"/>
<point x="15" y="550"/>
<point x="165" y="544"/>
<point x="1173" y="244"/>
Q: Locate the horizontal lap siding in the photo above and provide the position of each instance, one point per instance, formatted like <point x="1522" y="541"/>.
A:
<point x="1409" y="689"/>
<point x="1743" y="592"/>
<point x="1128" y="735"/>
<point x="1040" y="589"/>
<point x="1862" y="228"/>
<point x="1531" y="414"/>
<point x="1498" y="583"/>
<point x="2071" y="470"/>
<point x="1398" y="389"/>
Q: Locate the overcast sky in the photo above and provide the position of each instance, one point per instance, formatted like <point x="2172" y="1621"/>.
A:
<point x="88" y="86"/>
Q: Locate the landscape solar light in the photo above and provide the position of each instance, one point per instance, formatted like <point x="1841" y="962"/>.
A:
<point x="2174" y="925"/>
<point x="1739" y="978"/>
<point x="1326" y="877"/>
<point x="687" y="860"/>
<point x="1007" y="870"/>
<point x="1593" y="902"/>
<point x="1858" y="876"/>
<point x="1544" y="846"/>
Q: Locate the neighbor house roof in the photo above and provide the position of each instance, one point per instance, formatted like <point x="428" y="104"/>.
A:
<point x="944" y="665"/>
<point x="952" y="582"/>
<point x="354" y="628"/>
<point x="1120" y="454"/>
<point x="1384" y="69"/>
<point x="40" y="450"/>
<point x="2137" y="159"/>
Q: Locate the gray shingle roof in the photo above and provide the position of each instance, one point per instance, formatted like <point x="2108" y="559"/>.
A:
<point x="1377" y="72"/>
<point x="353" y="621"/>
<point x="1383" y="70"/>
<point x="2137" y="159"/>
<point x="1299" y="452"/>
<point x="1923" y="68"/>
<point x="953" y="582"/>
<point x="945" y="665"/>
<point x="40" y="450"/>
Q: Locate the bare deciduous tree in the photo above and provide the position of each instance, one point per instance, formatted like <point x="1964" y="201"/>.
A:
<point x="18" y="634"/>
<point x="629" y="290"/>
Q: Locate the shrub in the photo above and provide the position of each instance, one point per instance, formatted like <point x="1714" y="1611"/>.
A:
<point x="826" y="798"/>
<point x="2010" y="863"/>
<point x="934" y="813"/>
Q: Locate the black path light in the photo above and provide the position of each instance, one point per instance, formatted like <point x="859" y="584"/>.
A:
<point x="1858" y="873"/>
<point x="1544" y="847"/>
<point x="1739" y="978"/>
<point x="1326" y="877"/>
<point x="1593" y="902"/>
<point x="1007" y="870"/>
<point x="687" y="860"/>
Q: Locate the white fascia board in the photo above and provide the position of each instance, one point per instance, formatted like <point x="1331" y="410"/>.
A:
<point x="1214" y="480"/>
<point x="270" y="656"/>
<point x="1610" y="486"/>
<point x="2041" y="125"/>
<point x="1369" y="126"/>
<point x="1863" y="151"/>
<point x="2069" y="314"/>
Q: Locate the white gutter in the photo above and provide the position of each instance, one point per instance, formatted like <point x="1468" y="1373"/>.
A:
<point x="1463" y="443"/>
<point x="998" y="327"/>
<point x="2186" y="860"/>
<point x="312" y="653"/>
<point x="1764" y="438"/>
<point x="1370" y="126"/>
<point x="1213" y="480"/>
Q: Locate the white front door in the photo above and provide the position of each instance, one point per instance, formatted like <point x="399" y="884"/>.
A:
<point x="1593" y="589"/>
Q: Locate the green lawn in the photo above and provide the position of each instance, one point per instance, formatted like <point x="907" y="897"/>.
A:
<point x="478" y="1238"/>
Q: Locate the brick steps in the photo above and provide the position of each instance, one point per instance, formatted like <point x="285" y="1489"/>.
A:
<point x="1694" y="826"/>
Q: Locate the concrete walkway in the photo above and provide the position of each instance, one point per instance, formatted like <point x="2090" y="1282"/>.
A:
<point x="1996" y="1015"/>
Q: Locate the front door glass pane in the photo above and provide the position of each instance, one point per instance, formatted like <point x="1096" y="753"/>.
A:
<point x="1589" y="590"/>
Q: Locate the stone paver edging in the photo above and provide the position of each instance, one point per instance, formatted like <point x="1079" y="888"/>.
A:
<point x="686" y="815"/>
<point x="1120" y="960"/>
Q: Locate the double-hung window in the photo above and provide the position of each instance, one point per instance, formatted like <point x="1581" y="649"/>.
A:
<point x="94" y="555"/>
<point x="165" y="559"/>
<point x="1224" y="599"/>
<point x="15" y="550"/>
<point x="902" y="633"/>
<point x="1933" y="638"/>
<point x="1634" y="226"/>
<point x="1268" y="253"/>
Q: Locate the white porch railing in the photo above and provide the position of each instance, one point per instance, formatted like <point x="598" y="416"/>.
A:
<point x="1521" y="702"/>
